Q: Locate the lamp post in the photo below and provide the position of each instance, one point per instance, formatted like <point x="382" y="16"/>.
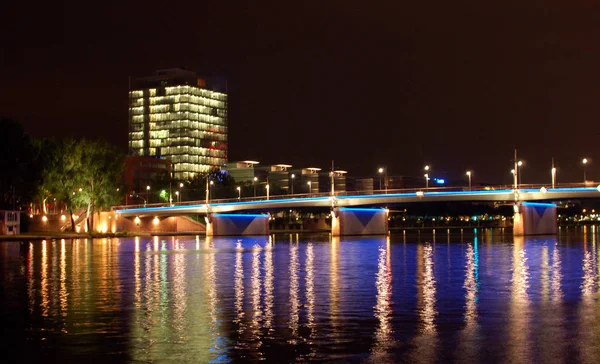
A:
<point x="180" y="187"/>
<point x="254" y="185"/>
<point x="309" y="187"/>
<point x="469" y="175"/>
<point x="584" y="161"/>
<point x="178" y="196"/>
<point x="293" y="177"/>
<point x="426" y="181"/>
<point x="147" y="193"/>
<point x="553" y="173"/>
<point x="239" y="189"/>
<point x="380" y="170"/>
<point x="267" y="187"/>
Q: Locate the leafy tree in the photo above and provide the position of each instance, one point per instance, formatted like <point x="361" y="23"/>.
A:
<point x="62" y="175"/>
<point x="101" y="170"/>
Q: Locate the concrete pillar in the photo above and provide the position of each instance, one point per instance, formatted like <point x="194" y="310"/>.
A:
<point x="359" y="221"/>
<point x="237" y="224"/>
<point x="535" y="218"/>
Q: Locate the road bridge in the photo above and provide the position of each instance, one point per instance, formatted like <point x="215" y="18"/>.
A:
<point x="358" y="213"/>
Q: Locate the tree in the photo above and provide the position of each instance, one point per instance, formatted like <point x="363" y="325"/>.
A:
<point x="102" y="167"/>
<point x="62" y="173"/>
<point x="84" y="174"/>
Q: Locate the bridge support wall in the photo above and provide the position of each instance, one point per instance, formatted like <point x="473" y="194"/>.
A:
<point x="359" y="221"/>
<point x="532" y="218"/>
<point x="237" y="224"/>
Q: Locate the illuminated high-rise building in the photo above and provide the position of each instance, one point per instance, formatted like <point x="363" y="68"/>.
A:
<point x="176" y="116"/>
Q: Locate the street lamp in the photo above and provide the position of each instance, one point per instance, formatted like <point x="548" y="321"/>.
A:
<point x="254" y="185"/>
<point x="267" y="187"/>
<point x="426" y="181"/>
<point x="520" y="179"/>
<point x="177" y="194"/>
<point x="239" y="189"/>
<point x="293" y="177"/>
<point x="469" y="175"/>
<point x="147" y="194"/>
<point x="380" y="173"/>
<point x="553" y="171"/>
<point x="180" y="187"/>
<point x="584" y="161"/>
<point x="309" y="187"/>
<point x="210" y="188"/>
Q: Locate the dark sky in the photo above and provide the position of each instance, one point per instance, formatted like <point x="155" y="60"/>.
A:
<point x="454" y="84"/>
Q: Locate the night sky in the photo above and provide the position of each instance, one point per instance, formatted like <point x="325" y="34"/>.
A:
<point x="454" y="84"/>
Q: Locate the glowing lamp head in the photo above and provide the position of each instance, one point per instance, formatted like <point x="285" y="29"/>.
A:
<point x="293" y="176"/>
<point x="469" y="173"/>
<point x="426" y="168"/>
<point x="519" y="163"/>
<point x="238" y="188"/>
<point x="380" y="170"/>
<point x="584" y="161"/>
<point x="512" y="171"/>
<point x="212" y="183"/>
<point x="181" y="185"/>
<point x="147" y="188"/>
<point x="255" y="179"/>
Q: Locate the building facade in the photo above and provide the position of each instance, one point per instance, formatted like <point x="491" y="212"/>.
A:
<point x="174" y="115"/>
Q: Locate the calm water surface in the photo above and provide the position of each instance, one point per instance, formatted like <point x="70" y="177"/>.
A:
<point x="470" y="296"/>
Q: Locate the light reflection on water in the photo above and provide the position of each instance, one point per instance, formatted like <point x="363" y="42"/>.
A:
<point x="405" y="298"/>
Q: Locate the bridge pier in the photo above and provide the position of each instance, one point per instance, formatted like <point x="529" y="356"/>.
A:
<point x="359" y="221"/>
<point x="534" y="218"/>
<point x="237" y="224"/>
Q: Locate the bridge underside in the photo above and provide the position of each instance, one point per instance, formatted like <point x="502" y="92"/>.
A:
<point x="359" y="221"/>
<point x="535" y="219"/>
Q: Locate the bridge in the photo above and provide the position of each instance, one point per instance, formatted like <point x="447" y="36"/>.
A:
<point x="359" y="213"/>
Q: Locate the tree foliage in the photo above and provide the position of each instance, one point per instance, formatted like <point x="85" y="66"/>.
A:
<point x="83" y="174"/>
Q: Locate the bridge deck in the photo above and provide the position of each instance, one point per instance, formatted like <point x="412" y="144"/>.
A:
<point x="357" y="199"/>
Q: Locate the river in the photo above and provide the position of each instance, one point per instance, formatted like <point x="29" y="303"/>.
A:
<point x="442" y="296"/>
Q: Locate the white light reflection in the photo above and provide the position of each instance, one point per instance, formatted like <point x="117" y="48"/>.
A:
<point x="520" y="306"/>
<point x="257" y="314"/>
<point x="425" y="343"/>
<point x="239" y="287"/>
<point x="294" y="290"/>
<point x="310" y="293"/>
<point x="587" y="311"/>
<point x="383" y="307"/>
<point x="468" y="345"/>
<point x="269" y="286"/>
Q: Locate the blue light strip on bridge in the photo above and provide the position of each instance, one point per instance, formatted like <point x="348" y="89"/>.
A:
<point x="539" y="204"/>
<point x="241" y="215"/>
<point x="362" y="209"/>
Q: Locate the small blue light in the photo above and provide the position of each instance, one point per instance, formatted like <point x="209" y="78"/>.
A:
<point x="440" y="181"/>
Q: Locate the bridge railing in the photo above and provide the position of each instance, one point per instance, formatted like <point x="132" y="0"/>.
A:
<point x="319" y="195"/>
